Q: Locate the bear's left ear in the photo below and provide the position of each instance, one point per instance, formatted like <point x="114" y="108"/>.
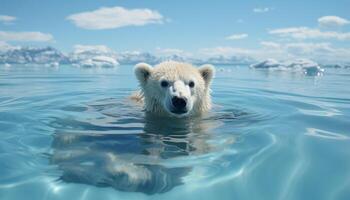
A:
<point x="143" y="72"/>
<point x="207" y="72"/>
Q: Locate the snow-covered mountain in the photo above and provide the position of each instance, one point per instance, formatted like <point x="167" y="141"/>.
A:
<point x="102" y="56"/>
<point x="32" y="55"/>
<point x="99" y="55"/>
<point x="228" y="60"/>
<point x="133" y="57"/>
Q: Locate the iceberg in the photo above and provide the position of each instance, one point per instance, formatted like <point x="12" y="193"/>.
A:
<point x="266" y="64"/>
<point x="93" y="56"/>
<point x="98" y="61"/>
<point x="308" y="67"/>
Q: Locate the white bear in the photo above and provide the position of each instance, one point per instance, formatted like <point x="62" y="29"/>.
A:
<point x="174" y="88"/>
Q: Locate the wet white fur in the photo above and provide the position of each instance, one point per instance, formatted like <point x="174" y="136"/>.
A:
<point x="157" y="99"/>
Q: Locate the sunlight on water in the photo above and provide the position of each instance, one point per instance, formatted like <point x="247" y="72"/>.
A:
<point x="115" y="145"/>
<point x="325" y="134"/>
<point x="71" y="133"/>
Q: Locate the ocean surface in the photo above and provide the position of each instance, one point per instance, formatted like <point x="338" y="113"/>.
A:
<point x="71" y="133"/>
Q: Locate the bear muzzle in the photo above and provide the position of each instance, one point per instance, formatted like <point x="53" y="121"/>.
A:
<point x="179" y="105"/>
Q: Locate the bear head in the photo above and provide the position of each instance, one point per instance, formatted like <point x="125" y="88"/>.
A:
<point x="174" y="88"/>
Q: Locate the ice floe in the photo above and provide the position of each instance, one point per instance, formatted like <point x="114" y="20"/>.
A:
<point x="52" y="64"/>
<point x="305" y="66"/>
<point x="98" y="61"/>
<point x="93" y="56"/>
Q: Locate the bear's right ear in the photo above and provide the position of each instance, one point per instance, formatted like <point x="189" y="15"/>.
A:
<point x="143" y="72"/>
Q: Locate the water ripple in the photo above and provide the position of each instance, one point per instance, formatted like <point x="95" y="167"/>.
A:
<point x="325" y="134"/>
<point x="131" y="151"/>
<point x="268" y="137"/>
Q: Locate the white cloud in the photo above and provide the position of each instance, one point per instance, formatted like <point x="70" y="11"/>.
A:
<point x="309" y="33"/>
<point x="171" y="52"/>
<point x="297" y="47"/>
<point x="332" y="21"/>
<point x="262" y="10"/>
<point x="321" y="52"/>
<point x="25" y="36"/>
<point x="258" y="54"/>
<point x="115" y="17"/>
<point x="7" y="19"/>
<point x="237" y="36"/>
<point x="270" y="44"/>
<point x="302" y="48"/>
<point x="96" y="48"/>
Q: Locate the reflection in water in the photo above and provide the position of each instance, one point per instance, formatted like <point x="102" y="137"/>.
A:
<point x="115" y="145"/>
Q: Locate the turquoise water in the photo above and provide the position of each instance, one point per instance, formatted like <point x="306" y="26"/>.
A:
<point x="70" y="133"/>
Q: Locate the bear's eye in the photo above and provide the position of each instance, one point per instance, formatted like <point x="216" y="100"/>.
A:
<point x="164" y="83"/>
<point x="191" y="84"/>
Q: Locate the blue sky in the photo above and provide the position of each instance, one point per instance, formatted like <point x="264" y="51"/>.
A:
<point x="227" y="27"/>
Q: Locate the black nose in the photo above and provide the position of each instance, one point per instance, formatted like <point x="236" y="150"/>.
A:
<point x="179" y="103"/>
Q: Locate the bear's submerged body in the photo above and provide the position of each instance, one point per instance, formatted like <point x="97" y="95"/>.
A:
<point x="126" y="149"/>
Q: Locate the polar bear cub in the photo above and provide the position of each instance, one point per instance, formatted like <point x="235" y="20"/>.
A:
<point x="174" y="88"/>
